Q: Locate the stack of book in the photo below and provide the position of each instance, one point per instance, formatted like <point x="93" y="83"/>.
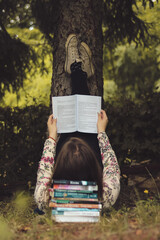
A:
<point x="75" y="201"/>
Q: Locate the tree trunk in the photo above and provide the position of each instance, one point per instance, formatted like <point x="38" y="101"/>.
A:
<point x="84" y="18"/>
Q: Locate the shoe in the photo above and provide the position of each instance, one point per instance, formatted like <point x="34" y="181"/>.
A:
<point x="72" y="54"/>
<point x="86" y="56"/>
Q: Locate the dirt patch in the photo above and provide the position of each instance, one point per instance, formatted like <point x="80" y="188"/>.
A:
<point x="86" y="231"/>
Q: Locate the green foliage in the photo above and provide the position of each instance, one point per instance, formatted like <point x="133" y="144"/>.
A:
<point x="21" y="202"/>
<point x="23" y="132"/>
<point x="133" y="128"/>
<point x="42" y="50"/>
<point x="18" y="55"/>
<point x="14" y="62"/>
<point x="36" y="85"/>
<point x="110" y="89"/>
<point x="147" y="212"/>
<point x="152" y="16"/>
<point x="34" y="91"/>
<point x="47" y="15"/>
<point x="15" y="56"/>
<point x="5" y="231"/>
<point x="22" y="50"/>
<point x="119" y="18"/>
<point x="15" y="12"/>
<point x="17" y="212"/>
<point x="136" y="70"/>
<point x="123" y="23"/>
<point x="22" y="207"/>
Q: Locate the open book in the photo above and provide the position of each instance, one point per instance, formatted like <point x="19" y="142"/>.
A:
<point x="76" y="113"/>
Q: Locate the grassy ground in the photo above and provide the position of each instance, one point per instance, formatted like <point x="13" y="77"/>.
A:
<point x="139" y="221"/>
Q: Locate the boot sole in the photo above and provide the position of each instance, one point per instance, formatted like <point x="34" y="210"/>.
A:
<point x="88" y="51"/>
<point x="66" y="47"/>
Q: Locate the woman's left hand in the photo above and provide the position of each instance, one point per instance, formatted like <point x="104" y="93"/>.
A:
<point x="52" y="127"/>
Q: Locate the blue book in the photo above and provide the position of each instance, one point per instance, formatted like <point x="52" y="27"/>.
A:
<point x="62" y="209"/>
<point x="75" y="195"/>
<point x="73" y="191"/>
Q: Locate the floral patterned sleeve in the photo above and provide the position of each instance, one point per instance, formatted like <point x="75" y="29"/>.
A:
<point x="111" y="171"/>
<point x="45" y="174"/>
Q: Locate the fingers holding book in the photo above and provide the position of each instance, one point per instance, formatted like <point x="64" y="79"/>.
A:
<point x="52" y="127"/>
<point x="101" y="124"/>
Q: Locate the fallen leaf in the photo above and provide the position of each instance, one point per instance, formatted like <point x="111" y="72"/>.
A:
<point x="24" y="229"/>
<point x="139" y="232"/>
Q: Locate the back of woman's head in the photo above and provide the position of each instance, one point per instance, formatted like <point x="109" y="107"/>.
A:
<point x="76" y="161"/>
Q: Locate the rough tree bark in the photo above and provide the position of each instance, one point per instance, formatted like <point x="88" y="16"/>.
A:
<point x="83" y="17"/>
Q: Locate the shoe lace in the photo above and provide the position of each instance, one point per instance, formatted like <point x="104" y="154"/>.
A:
<point x="85" y="58"/>
<point x="74" y="53"/>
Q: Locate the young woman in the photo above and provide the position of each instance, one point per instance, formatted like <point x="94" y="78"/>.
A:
<point x="78" y="154"/>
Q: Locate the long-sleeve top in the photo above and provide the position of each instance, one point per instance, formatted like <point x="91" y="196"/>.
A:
<point x="111" y="172"/>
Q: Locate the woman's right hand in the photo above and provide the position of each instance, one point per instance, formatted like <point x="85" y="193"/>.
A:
<point x="52" y="127"/>
<point x="102" y="121"/>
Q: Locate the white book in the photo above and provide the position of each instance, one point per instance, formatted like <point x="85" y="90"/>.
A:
<point x="65" y="218"/>
<point x="76" y="213"/>
<point x="76" y="113"/>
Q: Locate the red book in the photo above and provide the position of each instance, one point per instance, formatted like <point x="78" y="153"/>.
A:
<point x="75" y="205"/>
<point x="75" y="187"/>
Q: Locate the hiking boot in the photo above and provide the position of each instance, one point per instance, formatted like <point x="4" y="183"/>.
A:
<point x="86" y="56"/>
<point x="72" y="54"/>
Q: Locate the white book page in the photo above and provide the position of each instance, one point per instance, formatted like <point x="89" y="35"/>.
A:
<point x="64" y="109"/>
<point x="88" y="108"/>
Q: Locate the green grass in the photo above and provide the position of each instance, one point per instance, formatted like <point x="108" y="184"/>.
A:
<point x="17" y="221"/>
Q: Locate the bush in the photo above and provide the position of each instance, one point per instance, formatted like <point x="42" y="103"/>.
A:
<point x="134" y="129"/>
<point x="134" y="132"/>
<point x="23" y="132"/>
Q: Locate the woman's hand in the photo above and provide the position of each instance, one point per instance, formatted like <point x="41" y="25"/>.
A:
<point x="102" y="121"/>
<point x="52" y="127"/>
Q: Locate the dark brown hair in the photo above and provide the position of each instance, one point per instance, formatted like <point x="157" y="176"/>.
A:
<point x="77" y="161"/>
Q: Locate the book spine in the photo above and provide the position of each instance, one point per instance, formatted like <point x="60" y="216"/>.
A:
<point x="61" y="209"/>
<point x="61" y="201"/>
<point x="75" y="200"/>
<point x="71" y="191"/>
<point x="75" y="205"/>
<point x="74" y="195"/>
<point x="76" y="213"/>
<point x="62" y="218"/>
<point x="75" y="187"/>
<point x="69" y="182"/>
